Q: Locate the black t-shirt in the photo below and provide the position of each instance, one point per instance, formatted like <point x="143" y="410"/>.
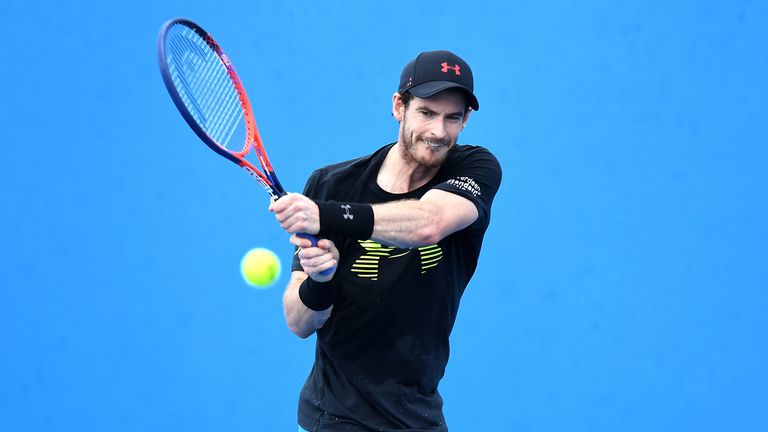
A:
<point x="383" y="351"/>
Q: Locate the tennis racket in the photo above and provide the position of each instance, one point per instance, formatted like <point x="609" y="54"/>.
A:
<point x="210" y="96"/>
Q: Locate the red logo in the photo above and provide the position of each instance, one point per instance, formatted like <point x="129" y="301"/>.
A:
<point x="455" y="68"/>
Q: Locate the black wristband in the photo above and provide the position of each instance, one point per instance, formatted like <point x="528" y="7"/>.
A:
<point x="317" y="296"/>
<point x="349" y="220"/>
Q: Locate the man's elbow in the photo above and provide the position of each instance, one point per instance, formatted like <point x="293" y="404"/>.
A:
<point x="451" y="214"/>
<point x="296" y="325"/>
<point x="433" y="228"/>
<point x="301" y="332"/>
<point x="428" y="235"/>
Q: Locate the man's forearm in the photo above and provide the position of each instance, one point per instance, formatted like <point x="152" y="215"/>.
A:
<point x="302" y="320"/>
<point x="405" y="224"/>
<point x="414" y="223"/>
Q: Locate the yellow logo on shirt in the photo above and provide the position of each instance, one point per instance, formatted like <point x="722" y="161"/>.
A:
<point x="368" y="265"/>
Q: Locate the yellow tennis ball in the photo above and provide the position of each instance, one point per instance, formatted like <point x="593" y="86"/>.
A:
<point x="260" y="267"/>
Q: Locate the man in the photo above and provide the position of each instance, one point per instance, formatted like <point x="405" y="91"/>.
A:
<point x="401" y="231"/>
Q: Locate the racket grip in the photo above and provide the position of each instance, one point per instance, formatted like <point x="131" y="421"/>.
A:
<point x="313" y="239"/>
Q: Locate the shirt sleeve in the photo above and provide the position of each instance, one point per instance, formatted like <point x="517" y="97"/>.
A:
<point x="475" y="174"/>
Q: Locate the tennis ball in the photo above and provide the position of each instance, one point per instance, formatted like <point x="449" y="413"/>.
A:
<point x="260" y="267"/>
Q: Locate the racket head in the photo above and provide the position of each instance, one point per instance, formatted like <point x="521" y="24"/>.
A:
<point x="207" y="91"/>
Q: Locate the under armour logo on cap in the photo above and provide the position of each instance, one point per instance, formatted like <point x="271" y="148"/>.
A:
<point x="456" y="68"/>
<point x="434" y="71"/>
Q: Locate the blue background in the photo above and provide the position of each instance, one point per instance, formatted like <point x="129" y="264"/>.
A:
<point x="623" y="281"/>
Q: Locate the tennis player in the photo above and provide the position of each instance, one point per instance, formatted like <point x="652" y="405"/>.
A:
<point x="403" y="228"/>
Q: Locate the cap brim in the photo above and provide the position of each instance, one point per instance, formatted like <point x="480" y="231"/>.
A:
<point x="431" y="88"/>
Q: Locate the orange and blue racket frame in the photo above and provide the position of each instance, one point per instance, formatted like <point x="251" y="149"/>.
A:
<point x="176" y="44"/>
<point x="208" y="93"/>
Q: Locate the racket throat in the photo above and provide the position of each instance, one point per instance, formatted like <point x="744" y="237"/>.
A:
<point x="270" y="190"/>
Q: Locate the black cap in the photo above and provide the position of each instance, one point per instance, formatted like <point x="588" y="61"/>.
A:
<point x="434" y="71"/>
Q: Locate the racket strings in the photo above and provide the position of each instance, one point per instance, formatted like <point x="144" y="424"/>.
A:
<point x="219" y="100"/>
<point x="184" y="63"/>
<point x="205" y="86"/>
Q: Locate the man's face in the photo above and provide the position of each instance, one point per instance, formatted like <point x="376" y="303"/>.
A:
<point x="430" y="127"/>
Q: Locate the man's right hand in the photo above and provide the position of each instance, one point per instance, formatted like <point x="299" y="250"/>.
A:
<point x="315" y="260"/>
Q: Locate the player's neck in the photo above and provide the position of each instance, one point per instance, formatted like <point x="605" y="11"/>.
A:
<point x="399" y="175"/>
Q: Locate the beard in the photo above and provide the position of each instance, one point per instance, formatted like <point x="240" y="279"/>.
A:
<point x="427" y="152"/>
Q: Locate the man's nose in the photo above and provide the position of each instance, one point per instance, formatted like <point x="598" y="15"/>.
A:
<point x="438" y="129"/>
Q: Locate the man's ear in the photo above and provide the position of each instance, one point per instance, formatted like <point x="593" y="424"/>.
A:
<point x="466" y="117"/>
<point x="398" y="109"/>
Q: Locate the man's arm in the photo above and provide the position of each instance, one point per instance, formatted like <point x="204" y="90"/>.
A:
<point x="302" y="320"/>
<point x="414" y="223"/>
<point x="408" y="223"/>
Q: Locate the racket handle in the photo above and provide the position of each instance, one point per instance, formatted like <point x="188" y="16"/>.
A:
<point x="313" y="239"/>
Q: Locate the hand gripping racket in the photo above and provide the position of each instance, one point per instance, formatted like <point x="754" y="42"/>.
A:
<point x="209" y="95"/>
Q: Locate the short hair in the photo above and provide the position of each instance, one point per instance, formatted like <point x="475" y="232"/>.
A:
<point x="407" y="97"/>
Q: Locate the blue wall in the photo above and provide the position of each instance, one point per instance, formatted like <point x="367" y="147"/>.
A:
<point x="623" y="281"/>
